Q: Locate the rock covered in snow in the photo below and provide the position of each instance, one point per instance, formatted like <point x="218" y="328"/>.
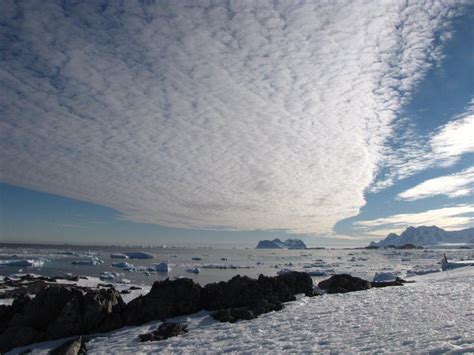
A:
<point x="423" y="235"/>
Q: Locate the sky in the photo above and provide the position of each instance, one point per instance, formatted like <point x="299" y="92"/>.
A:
<point x="226" y="122"/>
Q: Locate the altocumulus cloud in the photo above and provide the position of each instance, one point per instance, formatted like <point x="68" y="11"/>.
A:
<point x="237" y="115"/>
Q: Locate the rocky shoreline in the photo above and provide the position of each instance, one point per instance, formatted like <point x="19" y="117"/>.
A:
<point x="61" y="310"/>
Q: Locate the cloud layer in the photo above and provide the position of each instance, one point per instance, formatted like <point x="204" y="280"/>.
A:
<point x="239" y="115"/>
<point x="443" y="148"/>
<point x="454" y="185"/>
<point x="450" y="218"/>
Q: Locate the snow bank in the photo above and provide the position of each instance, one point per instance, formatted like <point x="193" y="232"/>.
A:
<point x="384" y="277"/>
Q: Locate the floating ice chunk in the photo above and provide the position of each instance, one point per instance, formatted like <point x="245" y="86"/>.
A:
<point x="22" y="263"/>
<point x="107" y="275"/>
<point x="139" y="255"/>
<point x="162" y="267"/>
<point x="91" y="261"/>
<point x="193" y="270"/>
<point x="129" y="267"/>
<point x="118" y="256"/>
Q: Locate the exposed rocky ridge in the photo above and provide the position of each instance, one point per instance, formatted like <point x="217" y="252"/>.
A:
<point x="60" y="311"/>
<point x="423" y="235"/>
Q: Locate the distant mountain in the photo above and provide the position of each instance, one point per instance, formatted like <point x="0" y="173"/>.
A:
<point x="427" y="236"/>
<point x="278" y="244"/>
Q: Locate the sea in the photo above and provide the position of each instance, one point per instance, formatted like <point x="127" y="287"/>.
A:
<point x="215" y="264"/>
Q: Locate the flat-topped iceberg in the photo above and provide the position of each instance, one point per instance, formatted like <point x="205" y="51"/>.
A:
<point x="118" y="256"/>
<point x="139" y="255"/>
<point x="22" y="263"/>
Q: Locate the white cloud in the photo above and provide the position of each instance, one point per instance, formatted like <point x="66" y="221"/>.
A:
<point x="455" y="138"/>
<point x="240" y="115"/>
<point x="450" y="218"/>
<point x="413" y="153"/>
<point x="455" y="185"/>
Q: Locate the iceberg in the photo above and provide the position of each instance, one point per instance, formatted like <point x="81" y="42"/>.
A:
<point x="22" y="263"/>
<point x="118" y="256"/>
<point x="139" y="255"/>
<point x="162" y="267"/>
<point x="193" y="270"/>
<point x="92" y="261"/>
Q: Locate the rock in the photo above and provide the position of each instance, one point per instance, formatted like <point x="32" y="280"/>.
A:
<point x="166" y="299"/>
<point x="60" y="311"/>
<point x="344" y="283"/>
<point x="71" y="347"/>
<point x="233" y="314"/>
<point x="165" y="331"/>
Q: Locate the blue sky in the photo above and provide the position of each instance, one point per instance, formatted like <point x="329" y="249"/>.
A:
<point x="165" y="123"/>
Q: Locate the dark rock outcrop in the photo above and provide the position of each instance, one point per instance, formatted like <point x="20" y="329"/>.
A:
<point x="60" y="311"/>
<point x="71" y="347"/>
<point x="165" y="331"/>
<point x="166" y="299"/>
<point x="344" y="283"/>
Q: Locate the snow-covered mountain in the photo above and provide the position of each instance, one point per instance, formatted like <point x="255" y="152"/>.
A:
<point x="427" y="236"/>
<point x="278" y="244"/>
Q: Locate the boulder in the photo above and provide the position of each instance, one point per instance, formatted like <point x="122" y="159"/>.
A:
<point x="344" y="283"/>
<point x="165" y="331"/>
<point x="166" y="299"/>
<point x="242" y="291"/>
<point x="60" y="311"/>
<point x="71" y="347"/>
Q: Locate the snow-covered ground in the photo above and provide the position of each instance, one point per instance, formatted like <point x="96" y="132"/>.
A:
<point x="433" y="315"/>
